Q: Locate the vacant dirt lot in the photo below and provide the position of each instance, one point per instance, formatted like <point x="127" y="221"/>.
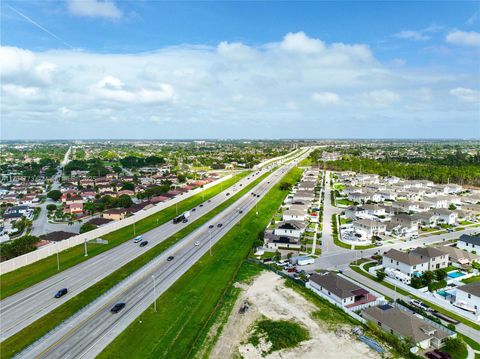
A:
<point x="268" y="296"/>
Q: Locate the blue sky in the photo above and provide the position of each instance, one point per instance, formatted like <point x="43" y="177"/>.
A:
<point x="120" y="69"/>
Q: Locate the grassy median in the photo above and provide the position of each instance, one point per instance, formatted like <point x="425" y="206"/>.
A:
<point x="22" y="278"/>
<point x="185" y="308"/>
<point x="34" y="331"/>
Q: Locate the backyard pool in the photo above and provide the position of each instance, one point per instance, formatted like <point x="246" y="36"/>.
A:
<point x="456" y="274"/>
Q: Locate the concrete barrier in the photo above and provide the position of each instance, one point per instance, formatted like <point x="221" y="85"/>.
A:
<point x="52" y="248"/>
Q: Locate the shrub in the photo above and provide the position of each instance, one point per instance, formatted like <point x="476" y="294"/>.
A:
<point x="51" y="207"/>
<point x="54" y="195"/>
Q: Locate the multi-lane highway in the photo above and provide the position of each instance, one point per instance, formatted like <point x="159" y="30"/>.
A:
<point x="23" y="308"/>
<point x="86" y="334"/>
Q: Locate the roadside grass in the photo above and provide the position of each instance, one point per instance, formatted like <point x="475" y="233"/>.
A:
<point x="281" y="334"/>
<point x="24" y="277"/>
<point x="36" y="330"/>
<point x="343" y="202"/>
<point x="185" y="309"/>
<point x="407" y="294"/>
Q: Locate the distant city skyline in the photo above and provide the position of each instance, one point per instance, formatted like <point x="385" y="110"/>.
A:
<point x="87" y="69"/>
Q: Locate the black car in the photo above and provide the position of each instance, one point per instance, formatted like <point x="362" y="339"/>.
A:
<point x="211" y="226"/>
<point x="117" y="307"/>
<point x="194" y="209"/>
<point x="209" y="201"/>
<point x="170" y="258"/>
<point x="228" y="194"/>
<point x="258" y="195"/>
<point x="219" y="225"/>
<point x="201" y="205"/>
<point x="240" y="211"/>
<point x="143" y="244"/>
<point x="185" y="220"/>
<point x="61" y="293"/>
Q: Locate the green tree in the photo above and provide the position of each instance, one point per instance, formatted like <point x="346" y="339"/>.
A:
<point x="381" y="274"/>
<point x="128" y="186"/>
<point x="428" y="277"/>
<point x="452" y="207"/>
<point x="51" y="207"/>
<point x="124" y="201"/>
<point x="285" y="186"/>
<point x="54" y="195"/>
<point x="440" y="274"/>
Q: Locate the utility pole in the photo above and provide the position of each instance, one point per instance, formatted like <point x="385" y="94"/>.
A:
<point x="134" y="230"/>
<point x="86" y="251"/>
<point x="176" y="208"/>
<point x="154" y="295"/>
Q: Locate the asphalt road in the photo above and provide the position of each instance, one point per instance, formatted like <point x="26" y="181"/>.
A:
<point x="87" y="334"/>
<point x="27" y="306"/>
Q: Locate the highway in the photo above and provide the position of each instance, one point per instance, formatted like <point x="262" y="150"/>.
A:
<point x="29" y="305"/>
<point x="88" y="333"/>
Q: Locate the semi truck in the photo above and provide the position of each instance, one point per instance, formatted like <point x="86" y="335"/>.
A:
<point x="184" y="216"/>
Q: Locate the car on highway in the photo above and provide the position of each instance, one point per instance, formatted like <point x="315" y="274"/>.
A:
<point x="197" y="243"/>
<point x="209" y="200"/>
<point x="240" y="211"/>
<point x="228" y="193"/>
<point x="211" y="226"/>
<point x="450" y="230"/>
<point x="61" y="293"/>
<point x="219" y="225"/>
<point x="117" y="307"/>
<point x="201" y="205"/>
<point x="143" y="244"/>
<point x="170" y="258"/>
<point x="185" y="220"/>
<point x="258" y="195"/>
<point x="137" y="239"/>
<point x="194" y="209"/>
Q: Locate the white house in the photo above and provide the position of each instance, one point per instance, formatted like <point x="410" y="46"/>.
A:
<point x="289" y="228"/>
<point x="367" y="228"/>
<point x="295" y="213"/>
<point x="419" y="260"/>
<point x="468" y="297"/>
<point x="445" y="215"/>
<point x="469" y="243"/>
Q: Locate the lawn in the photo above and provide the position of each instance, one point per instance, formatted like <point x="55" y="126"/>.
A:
<point x="27" y="276"/>
<point x="185" y="308"/>
<point x="344" y="202"/>
<point x="339" y="243"/>
<point x="34" y="331"/>
<point x="471" y="279"/>
<point x="281" y="334"/>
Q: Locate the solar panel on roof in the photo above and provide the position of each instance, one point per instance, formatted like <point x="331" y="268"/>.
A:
<point x="385" y="306"/>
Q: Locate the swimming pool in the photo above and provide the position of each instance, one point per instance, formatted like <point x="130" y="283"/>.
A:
<point x="455" y="274"/>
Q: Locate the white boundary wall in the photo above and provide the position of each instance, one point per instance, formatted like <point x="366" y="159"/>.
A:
<point x="52" y="248"/>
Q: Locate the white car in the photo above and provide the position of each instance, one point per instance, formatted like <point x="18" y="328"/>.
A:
<point x="197" y="243"/>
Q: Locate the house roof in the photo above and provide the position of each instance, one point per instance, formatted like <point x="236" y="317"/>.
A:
<point x="295" y="225"/>
<point x="429" y="252"/>
<point x="403" y="257"/>
<point x="470" y="239"/>
<point x="457" y="254"/>
<point x="405" y="323"/>
<point x="339" y="286"/>
<point x="99" y="221"/>
<point x="472" y="288"/>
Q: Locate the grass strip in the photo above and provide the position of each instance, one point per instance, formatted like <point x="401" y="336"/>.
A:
<point x="36" y="330"/>
<point x="24" y="277"/>
<point x="408" y="294"/>
<point x="185" y="308"/>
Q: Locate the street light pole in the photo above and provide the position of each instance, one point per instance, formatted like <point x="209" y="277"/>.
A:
<point x="134" y="231"/>
<point x="58" y="259"/>
<point x="86" y="251"/>
<point x="176" y="208"/>
<point x="154" y="295"/>
<point x="210" y="241"/>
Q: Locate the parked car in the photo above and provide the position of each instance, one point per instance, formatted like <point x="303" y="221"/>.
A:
<point x="170" y="258"/>
<point x="292" y="270"/>
<point x="117" y="307"/>
<point x="378" y="244"/>
<point x="143" y="244"/>
<point x="419" y="304"/>
<point x="61" y="293"/>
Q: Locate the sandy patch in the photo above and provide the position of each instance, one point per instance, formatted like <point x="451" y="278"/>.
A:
<point x="269" y="297"/>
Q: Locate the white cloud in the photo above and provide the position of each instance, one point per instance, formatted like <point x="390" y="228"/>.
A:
<point x="112" y="88"/>
<point x="94" y="8"/>
<point x="412" y="35"/>
<point x="463" y="38"/>
<point x="15" y="60"/>
<point x="326" y="98"/>
<point x="209" y="88"/>
<point x="300" y="42"/>
<point x="466" y="94"/>
<point x="380" y="98"/>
